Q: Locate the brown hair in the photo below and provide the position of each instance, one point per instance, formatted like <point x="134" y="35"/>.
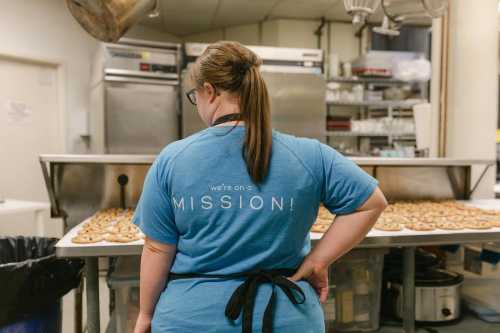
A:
<point x="234" y="68"/>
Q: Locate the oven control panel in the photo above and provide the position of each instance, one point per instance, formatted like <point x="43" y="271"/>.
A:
<point x="136" y="59"/>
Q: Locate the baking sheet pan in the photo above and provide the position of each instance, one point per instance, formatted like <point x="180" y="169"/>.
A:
<point x="375" y="238"/>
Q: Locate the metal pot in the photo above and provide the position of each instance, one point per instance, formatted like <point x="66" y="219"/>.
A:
<point x="437" y="296"/>
<point x="108" y="20"/>
<point x="413" y="10"/>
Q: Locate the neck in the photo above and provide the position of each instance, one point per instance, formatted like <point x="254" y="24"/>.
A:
<point x="225" y="109"/>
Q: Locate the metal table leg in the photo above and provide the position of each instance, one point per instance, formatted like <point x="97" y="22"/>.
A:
<point x="409" y="289"/>
<point x="92" y="284"/>
<point x="79" y="308"/>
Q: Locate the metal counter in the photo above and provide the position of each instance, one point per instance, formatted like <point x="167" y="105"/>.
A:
<point x="362" y="161"/>
<point x="79" y="185"/>
<point x="374" y="239"/>
<point x="408" y="239"/>
<point x="97" y="159"/>
<point x="427" y="162"/>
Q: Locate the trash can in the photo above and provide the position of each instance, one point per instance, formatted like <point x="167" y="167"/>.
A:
<point x="32" y="282"/>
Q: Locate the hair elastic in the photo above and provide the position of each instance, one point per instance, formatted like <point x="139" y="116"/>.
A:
<point x="241" y="67"/>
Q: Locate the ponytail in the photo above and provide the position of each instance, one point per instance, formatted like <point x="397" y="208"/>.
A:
<point x="255" y="109"/>
<point x="234" y="68"/>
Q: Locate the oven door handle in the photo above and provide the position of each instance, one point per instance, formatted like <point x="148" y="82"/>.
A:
<point x="122" y="79"/>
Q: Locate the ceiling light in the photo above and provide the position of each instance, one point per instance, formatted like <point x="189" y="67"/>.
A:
<point x="156" y="10"/>
<point x="360" y="9"/>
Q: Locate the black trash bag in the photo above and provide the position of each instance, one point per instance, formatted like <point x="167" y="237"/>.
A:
<point x="31" y="277"/>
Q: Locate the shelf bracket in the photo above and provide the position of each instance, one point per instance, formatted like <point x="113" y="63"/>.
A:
<point x="483" y="173"/>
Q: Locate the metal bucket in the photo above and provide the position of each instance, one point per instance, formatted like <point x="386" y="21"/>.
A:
<point x="413" y="10"/>
<point x="108" y="20"/>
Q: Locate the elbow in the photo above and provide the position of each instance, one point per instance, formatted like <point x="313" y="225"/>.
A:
<point x="381" y="202"/>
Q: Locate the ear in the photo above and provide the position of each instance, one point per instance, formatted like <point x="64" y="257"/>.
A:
<point x="210" y="91"/>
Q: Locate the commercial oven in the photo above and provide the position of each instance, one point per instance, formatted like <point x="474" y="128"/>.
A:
<point x="296" y="85"/>
<point x="135" y="106"/>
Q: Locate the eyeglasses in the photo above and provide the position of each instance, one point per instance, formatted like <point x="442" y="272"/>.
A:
<point x="191" y="96"/>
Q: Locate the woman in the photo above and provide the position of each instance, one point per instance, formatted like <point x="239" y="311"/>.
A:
<point x="227" y="212"/>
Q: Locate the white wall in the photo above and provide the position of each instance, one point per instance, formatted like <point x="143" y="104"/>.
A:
<point x="343" y="42"/>
<point x="297" y="33"/>
<point x="270" y="33"/>
<point x="144" y="32"/>
<point x="206" y="37"/>
<point x="473" y="85"/>
<point x="46" y="30"/>
<point x="246" y="34"/>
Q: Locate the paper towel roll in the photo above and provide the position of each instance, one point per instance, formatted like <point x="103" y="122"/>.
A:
<point x="422" y="115"/>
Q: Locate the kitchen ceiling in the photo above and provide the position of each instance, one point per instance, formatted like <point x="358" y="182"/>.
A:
<point x="184" y="17"/>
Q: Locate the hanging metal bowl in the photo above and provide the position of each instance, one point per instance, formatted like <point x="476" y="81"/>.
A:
<point x="108" y="20"/>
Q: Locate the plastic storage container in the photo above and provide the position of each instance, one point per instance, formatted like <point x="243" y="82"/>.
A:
<point x="329" y="308"/>
<point x="124" y="281"/>
<point x="357" y="278"/>
<point x="33" y="281"/>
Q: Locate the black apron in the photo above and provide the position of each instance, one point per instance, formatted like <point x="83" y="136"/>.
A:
<point x="243" y="298"/>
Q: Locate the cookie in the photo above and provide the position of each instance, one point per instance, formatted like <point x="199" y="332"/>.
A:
<point x="392" y="218"/>
<point x="419" y="226"/>
<point x="124" y="219"/>
<point x="320" y="228"/>
<point x="122" y="238"/>
<point x="104" y="219"/>
<point x="323" y="221"/>
<point x="477" y="225"/>
<point x="91" y="231"/>
<point x="450" y="225"/>
<point x="457" y="218"/>
<point x="323" y="213"/>
<point x="411" y="219"/>
<point x="490" y="212"/>
<point x="495" y="222"/>
<point x="124" y="229"/>
<point x="388" y="226"/>
<point x="87" y="238"/>
<point x="128" y="211"/>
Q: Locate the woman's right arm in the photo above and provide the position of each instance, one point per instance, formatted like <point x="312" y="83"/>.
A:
<point x="156" y="261"/>
<point x="345" y="233"/>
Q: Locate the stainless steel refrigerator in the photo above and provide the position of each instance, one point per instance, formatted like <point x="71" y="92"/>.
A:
<point x="135" y="105"/>
<point x="296" y="85"/>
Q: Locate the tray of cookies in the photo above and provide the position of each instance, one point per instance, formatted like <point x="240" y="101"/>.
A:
<point x="444" y="221"/>
<point x="108" y="232"/>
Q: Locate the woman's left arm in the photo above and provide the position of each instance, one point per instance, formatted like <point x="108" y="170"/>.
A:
<point x="156" y="261"/>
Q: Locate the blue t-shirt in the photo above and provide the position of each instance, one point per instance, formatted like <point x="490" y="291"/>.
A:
<point x="199" y="196"/>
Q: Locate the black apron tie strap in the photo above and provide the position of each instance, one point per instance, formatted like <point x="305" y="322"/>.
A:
<point x="243" y="298"/>
<point x="226" y="118"/>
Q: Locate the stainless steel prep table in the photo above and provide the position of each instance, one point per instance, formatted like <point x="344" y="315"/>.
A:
<point x="408" y="239"/>
<point x="374" y="239"/>
<point x="399" y="178"/>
